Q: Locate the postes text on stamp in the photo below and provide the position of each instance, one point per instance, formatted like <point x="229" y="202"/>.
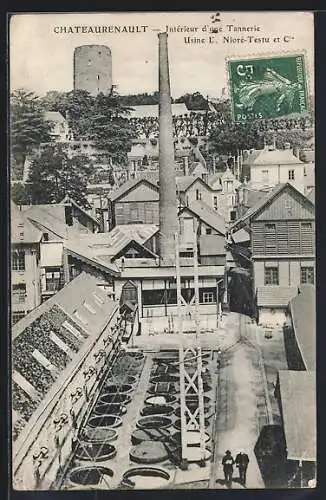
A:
<point x="268" y="87"/>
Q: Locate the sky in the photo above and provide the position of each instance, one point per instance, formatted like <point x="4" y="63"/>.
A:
<point x="42" y="60"/>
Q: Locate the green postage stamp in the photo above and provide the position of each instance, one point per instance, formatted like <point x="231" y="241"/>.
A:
<point x="268" y="87"/>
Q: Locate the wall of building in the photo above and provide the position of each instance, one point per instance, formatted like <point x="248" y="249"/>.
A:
<point x="93" y="69"/>
<point x="277" y="174"/>
<point x="190" y="195"/>
<point x="146" y="212"/>
<point x="289" y="270"/>
<point x="30" y="277"/>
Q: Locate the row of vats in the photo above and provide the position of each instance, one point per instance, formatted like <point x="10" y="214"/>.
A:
<point x="156" y="438"/>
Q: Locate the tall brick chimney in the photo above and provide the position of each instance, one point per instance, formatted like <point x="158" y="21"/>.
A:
<point x="168" y="200"/>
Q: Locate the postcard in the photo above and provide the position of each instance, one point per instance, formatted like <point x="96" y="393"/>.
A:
<point x="162" y="182"/>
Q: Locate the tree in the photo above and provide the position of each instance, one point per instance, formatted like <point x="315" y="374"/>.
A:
<point x="231" y="137"/>
<point x="28" y="128"/>
<point x="55" y="174"/>
<point x="109" y="129"/>
<point x="194" y="101"/>
<point x="20" y="193"/>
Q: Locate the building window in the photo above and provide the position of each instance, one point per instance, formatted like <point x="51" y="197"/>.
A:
<point x="291" y="175"/>
<point x="208" y="230"/>
<point x="17" y="315"/>
<point x="52" y="281"/>
<point x="233" y="215"/>
<point x="45" y="236"/>
<point x="208" y="297"/>
<point x="18" y="261"/>
<point x="229" y="186"/>
<point x="198" y="195"/>
<point x="307" y="275"/>
<point x="265" y="176"/>
<point x="215" y="202"/>
<point x="271" y="276"/>
<point x="19" y="293"/>
<point x="186" y="255"/>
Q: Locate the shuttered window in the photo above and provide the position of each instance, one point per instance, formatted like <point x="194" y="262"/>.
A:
<point x="294" y="237"/>
<point x="307" y="237"/>
<point x="270" y="238"/>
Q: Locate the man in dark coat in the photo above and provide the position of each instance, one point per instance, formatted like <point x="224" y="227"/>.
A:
<point x="242" y="461"/>
<point x="228" y="462"/>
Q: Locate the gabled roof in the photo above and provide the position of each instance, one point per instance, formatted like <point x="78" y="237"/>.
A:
<point x="275" y="157"/>
<point x="22" y="230"/>
<point x="184" y="182"/>
<point x="275" y="296"/>
<point x="139" y="232"/>
<point x="303" y="312"/>
<point x="207" y="215"/>
<point x="298" y="402"/>
<point x="48" y="218"/>
<point x="70" y="201"/>
<point x="129" y="185"/>
<point x="270" y="196"/>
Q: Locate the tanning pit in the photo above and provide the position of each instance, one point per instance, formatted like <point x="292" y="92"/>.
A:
<point x="108" y="398"/>
<point x="146" y="478"/>
<point x="98" y="435"/>
<point x="97" y="452"/>
<point x="157" y="410"/>
<point x="118" y="389"/>
<point x="110" y="409"/>
<point x="89" y="476"/>
<point x="154" y="422"/>
<point x="140" y="435"/>
<point x="149" y="452"/>
<point x="104" y="421"/>
<point x="161" y="399"/>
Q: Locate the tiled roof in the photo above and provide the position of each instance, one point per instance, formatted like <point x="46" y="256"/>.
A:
<point x="86" y="255"/>
<point x="22" y="230"/>
<point x="303" y="312"/>
<point x="275" y="296"/>
<point x="151" y="110"/>
<point x="139" y="232"/>
<point x="275" y="157"/>
<point x="71" y="298"/>
<point x="212" y="244"/>
<point x="184" y="182"/>
<point x="298" y="399"/>
<point x="209" y="216"/>
<point x="100" y="248"/>
<point x="128" y="185"/>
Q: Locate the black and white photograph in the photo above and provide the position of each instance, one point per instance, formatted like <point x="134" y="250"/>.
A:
<point x="162" y="250"/>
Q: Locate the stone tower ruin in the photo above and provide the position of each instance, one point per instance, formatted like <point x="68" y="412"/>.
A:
<point x="93" y="69"/>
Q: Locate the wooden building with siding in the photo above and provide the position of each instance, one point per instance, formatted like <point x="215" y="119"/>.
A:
<point x="282" y="228"/>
